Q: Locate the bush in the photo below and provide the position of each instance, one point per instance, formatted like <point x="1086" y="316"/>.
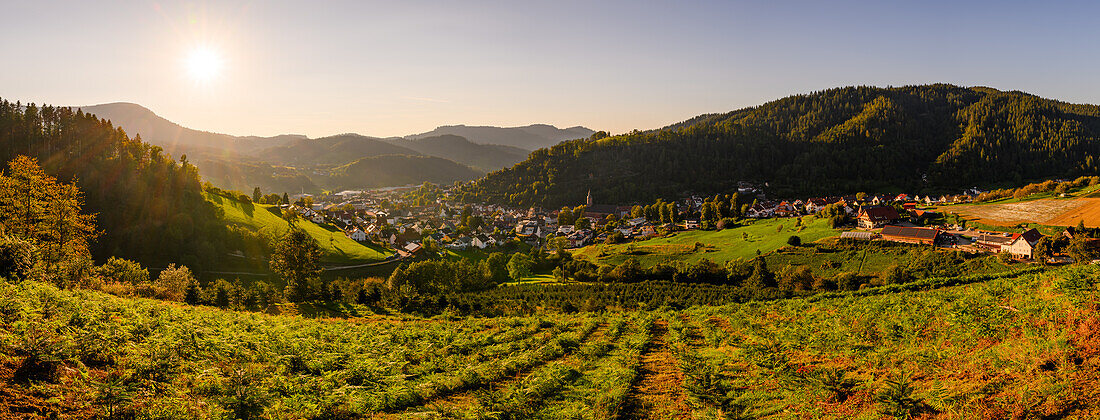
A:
<point x="615" y="238"/>
<point x="123" y="271"/>
<point x="848" y="281"/>
<point x="727" y="223"/>
<point x="172" y="283"/>
<point x="794" y="241"/>
<point x="825" y="284"/>
<point x="895" y="275"/>
<point x="796" y="278"/>
<point x="17" y="258"/>
<point x="898" y="398"/>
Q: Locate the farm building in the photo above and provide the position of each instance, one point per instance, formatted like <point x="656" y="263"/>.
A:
<point x="862" y="236"/>
<point x="1023" y="244"/>
<point x="994" y="242"/>
<point x="876" y="217"/>
<point x="912" y="235"/>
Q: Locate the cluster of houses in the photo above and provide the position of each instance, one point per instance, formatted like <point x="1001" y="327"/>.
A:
<point x="382" y="216"/>
<point x="878" y="218"/>
<point x="1018" y="245"/>
<point x="885" y="223"/>
<point x="763" y="209"/>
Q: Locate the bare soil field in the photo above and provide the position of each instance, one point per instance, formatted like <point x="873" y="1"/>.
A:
<point x="1061" y="212"/>
<point x="1089" y="212"/>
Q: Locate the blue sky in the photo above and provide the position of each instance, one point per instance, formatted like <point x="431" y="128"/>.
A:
<point x="396" y="68"/>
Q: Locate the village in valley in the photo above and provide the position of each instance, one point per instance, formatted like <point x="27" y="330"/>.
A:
<point x="412" y="219"/>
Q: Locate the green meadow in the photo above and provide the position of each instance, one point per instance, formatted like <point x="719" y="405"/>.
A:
<point x="744" y="242"/>
<point x="337" y="247"/>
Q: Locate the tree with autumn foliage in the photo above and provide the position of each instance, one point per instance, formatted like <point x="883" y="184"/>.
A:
<point x="47" y="214"/>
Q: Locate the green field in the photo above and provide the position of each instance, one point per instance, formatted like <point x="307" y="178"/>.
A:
<point x="764" y="235"/>
<point x="534" y="279"/>
<point x="338" y="248"/>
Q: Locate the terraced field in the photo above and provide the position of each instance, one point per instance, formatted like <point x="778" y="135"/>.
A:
<point x="1024" y="344"/>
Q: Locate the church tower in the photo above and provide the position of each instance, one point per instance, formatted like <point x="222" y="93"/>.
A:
<point x="588" y="202"/>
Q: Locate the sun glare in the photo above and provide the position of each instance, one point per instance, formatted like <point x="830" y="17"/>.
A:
<point x="204" y="64"/>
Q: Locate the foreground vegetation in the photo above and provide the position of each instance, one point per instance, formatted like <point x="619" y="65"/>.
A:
<point x="1014" y="345"/>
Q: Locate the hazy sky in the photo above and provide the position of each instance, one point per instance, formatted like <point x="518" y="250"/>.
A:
<point x="402" y="67"/>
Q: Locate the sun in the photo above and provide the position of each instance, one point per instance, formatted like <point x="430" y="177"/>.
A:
<point x="204" y="64"/>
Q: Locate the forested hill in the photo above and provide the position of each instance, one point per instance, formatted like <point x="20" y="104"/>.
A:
<point x="917" y="138"/>
<point x="388" y="170"/>
<point x="531" y="137"/>
<point x="148" y="207"/>
<point x="485" y="157"/>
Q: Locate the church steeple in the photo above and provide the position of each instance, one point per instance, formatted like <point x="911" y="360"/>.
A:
<point x="588" y="202"/>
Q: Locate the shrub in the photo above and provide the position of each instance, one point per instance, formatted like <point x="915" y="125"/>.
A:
<point x="836" y="383"/>
<point x="17" y="258"/>
<point x="172" y="283"/>
<point x="897" y="398"/>
<point x="848" y="281"/>
<point x="123" y="271"/>
<point x="796" y="278"/>
<point x="727" y="223"/>
<point x="895" y="275"/>
<point x="794" y="241"/>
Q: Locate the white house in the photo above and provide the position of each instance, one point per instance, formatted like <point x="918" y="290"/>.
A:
<point x="458" y="244"/>
<point x="1023" y="244"/>
<point x="357" y="235"/>
<point x="482" y="241"/>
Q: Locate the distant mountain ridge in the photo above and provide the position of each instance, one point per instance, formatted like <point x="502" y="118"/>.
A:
<point x="388" y="170"/>
<point x="174" y="138"/>
<point x="297" y="161"/>
<point x="485" y="157"/>
<point x="531" y="137"/>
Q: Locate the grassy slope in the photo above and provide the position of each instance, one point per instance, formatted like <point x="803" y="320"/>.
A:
<point x="719" y="246"/>
<point x="338" y="247"/>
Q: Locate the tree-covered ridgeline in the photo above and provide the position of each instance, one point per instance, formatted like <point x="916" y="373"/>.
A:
<point x="149" y="207"/>
<point x="916" y="138"/>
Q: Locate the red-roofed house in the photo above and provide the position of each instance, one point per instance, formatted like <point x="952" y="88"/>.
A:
<point x="876" y="217"/>
<point x="1022" y="245"/>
